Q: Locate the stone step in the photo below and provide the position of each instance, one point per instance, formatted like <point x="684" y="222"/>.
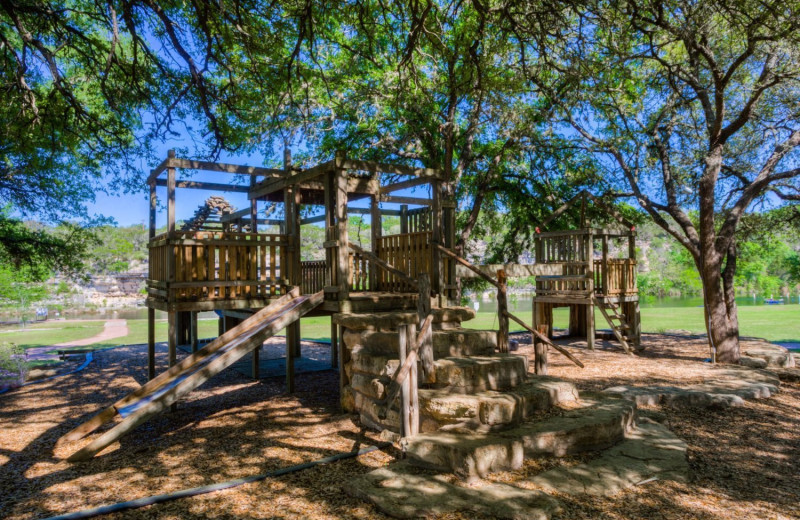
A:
<point x="492" y="410"/>
<point x="443" y="318"/>
<point x="456" y="342"/>
<point x="598" y="423"/>
<point x="468" y="375"/>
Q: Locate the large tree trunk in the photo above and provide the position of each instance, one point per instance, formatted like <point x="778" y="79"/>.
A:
<point x="722" y="322"/>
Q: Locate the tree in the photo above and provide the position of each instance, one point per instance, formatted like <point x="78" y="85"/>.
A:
<point x="685" y="106"/>
<point x="90" y="87"/>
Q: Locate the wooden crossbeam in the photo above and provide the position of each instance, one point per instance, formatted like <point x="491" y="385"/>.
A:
<point x="411" y="183"/>
<point x="209" y="166"/>
<point x="396" y="169"/>
<point x="272" y="185"/>
<point x="211" y="186"/>
<point x="406" y="200"/>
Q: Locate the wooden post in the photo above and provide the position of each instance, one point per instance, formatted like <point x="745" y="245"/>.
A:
<point x="540" y="357"/>
<point x="193" y="330"/>
<point x="413" y="386"/>
<point x="404" y="218"/>
<point x="340" y="210"/>
<point x="171" y="195"/>
<point x="423" y="309"/>
<point x="502" y="309"/>
<point x="153" y="205"/>
<point x="604" y="266"/>
<point x="375" y="237"/>
<point x="405" y="387"/>
<point x="297" y="274"/>
<point x="334" y="345"/>
<point x="253" y="208"/>
<point x="151" y="343"/>
<point x="437" y="282"/>
<point x="590" y="326"/>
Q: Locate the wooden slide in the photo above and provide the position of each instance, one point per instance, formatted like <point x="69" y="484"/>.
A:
<point x="159" y="393"/>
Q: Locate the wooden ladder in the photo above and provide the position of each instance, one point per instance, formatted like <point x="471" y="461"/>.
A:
<point x="617" y="321"/>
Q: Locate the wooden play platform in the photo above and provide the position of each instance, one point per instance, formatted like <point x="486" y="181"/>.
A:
<point x="396" y="327"/>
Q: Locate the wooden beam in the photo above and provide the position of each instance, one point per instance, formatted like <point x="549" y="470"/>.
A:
<point x="210" y="186"/>
<point x="277" y="184"/>
<point x="406" y="200"/>
<point x="239" y="169"/>
<point x="396" y="169"/>
<point x="468" y="265"/>
<point x="512" y="270"/>
<point x="411" y="183"/>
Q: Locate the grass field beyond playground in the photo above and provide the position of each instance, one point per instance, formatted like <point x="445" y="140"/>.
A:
<point x="775" y="323"/>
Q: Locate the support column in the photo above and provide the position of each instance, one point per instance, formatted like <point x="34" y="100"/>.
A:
<point x="172" y="337"/>
<point x="375" y="237"/>
<point x="334" y="345"/>
<point x="437" y="281"/>
<point x="340" y="211"/>
<point x="193" y="331"/>
<point x="151" y="343"/>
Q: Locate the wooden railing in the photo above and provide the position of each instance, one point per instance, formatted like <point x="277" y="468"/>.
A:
<point x="212" y="265"/>
<point x="410" y="253"/>
<point x="615" y="276"/>
<point x="562" y="246"/>
<point x="573" y="282"/>
<point x="359" y="272"/>
<point x="313" y="276"/>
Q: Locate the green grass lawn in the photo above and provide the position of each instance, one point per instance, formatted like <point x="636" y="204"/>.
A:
<point x="51" y="332"/>
<point x="773" y="322"/>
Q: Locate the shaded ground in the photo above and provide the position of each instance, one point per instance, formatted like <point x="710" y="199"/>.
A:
<point x="744" y="461"/>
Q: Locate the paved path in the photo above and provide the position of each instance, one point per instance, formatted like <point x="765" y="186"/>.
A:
<point x="112" y="329"/>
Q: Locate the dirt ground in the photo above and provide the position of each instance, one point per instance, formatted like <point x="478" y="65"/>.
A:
<point x="745" y="462"/>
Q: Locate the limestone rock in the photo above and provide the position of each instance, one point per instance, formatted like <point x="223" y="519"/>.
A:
<point x="649" y="451"/>
<point x="598" y="424"/>
<point x="480" y="373"/>
<point x="402" y="491"/>
<point x="775" y="356"/>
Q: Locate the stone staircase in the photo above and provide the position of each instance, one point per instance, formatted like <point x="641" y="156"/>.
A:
<point x="479" y="415"/>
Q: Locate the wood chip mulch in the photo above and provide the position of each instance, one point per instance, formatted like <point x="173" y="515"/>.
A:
<point x="745" y="462"/>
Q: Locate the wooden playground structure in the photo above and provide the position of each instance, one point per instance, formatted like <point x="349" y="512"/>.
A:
<point x="238" y="269"/>
<point x="391" y="295"/>
<point x="586" y="281"/>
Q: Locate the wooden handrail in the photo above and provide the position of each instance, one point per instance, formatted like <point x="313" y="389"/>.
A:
<point x="384" y="265"/>
<point x="468" y="265"/>
<point x="402" y="373"/>
<point x="545" y="339"/>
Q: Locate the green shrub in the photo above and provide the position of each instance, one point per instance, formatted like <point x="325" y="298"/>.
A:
<point x="13" y="365"/>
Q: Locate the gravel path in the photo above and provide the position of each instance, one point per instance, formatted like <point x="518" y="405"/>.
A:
<point x="743" y="462"/>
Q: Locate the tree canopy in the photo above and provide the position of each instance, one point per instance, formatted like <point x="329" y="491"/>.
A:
<point x="687" y="109"/>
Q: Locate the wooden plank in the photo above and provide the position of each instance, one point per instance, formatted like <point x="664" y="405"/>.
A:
<point x="411" y="183"/>
<point x="208" y="186"/>
<point x="396" y="169"/>
<point x="298" y="176"/>
<point x="238" y="169"/>
<point x="244" y="341"/>
<point x="387" y="267"/>
<point x="396" y="199"/>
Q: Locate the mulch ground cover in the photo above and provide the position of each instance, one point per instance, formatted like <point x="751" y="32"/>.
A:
<point x="745" y="462"/>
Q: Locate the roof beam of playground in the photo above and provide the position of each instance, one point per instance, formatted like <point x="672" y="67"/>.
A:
<point x="174" y="162"/>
